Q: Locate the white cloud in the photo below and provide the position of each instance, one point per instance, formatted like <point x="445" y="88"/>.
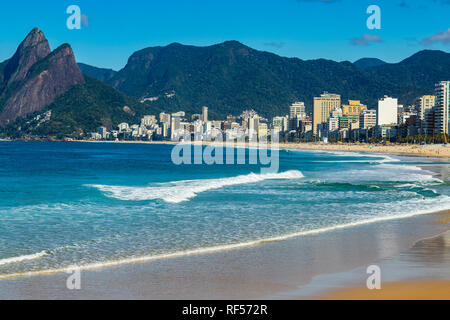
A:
<point x="365" y="40"/>
<point x="440" y="36"/>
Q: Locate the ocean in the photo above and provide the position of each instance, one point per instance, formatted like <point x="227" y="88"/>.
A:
<point x="87" y="205"/>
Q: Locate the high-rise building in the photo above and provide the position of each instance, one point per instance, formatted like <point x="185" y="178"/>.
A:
<point x="387" y="112"/>
<point x="368" y="119"/>
<point x="429" y="122"/>
<point x="148" y="120"/>
<point x="103" y="132"/>
<point x="297" y="110"/>
<point x="164" y="117"/>
<point x="175" y="128"/>
<point x="205" y="114"/>
<point x="280" y="124"/>
<point x="425" y="103"/>
<point x="350" y="113"/>
<point x="353" y="108"/>
<point x="322" y="108"/>
<point x="262" y="130"/>
<point x="253" y="124"/>
<point x="441" y="120"/>
<point x="124" y="127"/>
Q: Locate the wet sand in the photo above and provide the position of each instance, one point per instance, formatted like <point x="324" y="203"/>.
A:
<point x="275" y="270"/>
<point x="430" y="257"/>
<point x="421" y="272"/>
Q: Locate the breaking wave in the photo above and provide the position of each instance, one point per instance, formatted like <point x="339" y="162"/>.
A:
<point x="179" y="191"/>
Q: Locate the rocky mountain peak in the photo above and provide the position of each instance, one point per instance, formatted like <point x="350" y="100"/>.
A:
<point x="35" y="76"/>
<point x="34" y="48"/>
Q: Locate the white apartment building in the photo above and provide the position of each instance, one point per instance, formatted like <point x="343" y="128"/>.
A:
<point x="441" y="120"/>
<point x="297" y="110"/>
<point x="425" y="103"/>
<point x="387" y="112"/>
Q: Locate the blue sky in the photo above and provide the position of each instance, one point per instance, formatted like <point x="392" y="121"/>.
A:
<point x="308" y="29"/>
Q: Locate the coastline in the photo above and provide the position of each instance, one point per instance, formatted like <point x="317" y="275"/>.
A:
<point x="272" y="270"/>
<point x="430" y="151"/>
<point x="423" y="286"/>
<point x="259" y="288"/>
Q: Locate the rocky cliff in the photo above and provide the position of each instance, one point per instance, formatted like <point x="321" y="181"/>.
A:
<point x="35" y="76"/>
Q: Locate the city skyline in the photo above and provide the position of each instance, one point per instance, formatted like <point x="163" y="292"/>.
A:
<point x="331" y="118"/>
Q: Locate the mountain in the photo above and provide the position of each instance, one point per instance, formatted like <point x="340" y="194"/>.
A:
<point x="366" y="63"/>
<point x="35" y="76"/>
<point x="44" y="93"/>
<point x="230" y="77"/>
<point x="80" y="110"/>
<point x="415" y="75"/>
<point x="98" y="73"/>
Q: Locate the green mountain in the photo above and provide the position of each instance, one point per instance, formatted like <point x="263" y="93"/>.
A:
<point x="366" y="63"/>
<point x="230" y="77"/>
<point x="416" y="75"/>
<point x="81" y="110"/>
<point x="98" y="73"/>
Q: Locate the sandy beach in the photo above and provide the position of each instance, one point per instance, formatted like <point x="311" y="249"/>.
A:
<point x="426" y="290"/>
<point x="309" y="267"/>
<point x="433" y="151"/>
<point x="424" y="287"/>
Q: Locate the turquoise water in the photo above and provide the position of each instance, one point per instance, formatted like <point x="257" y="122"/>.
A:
<point x="93" y="204"/>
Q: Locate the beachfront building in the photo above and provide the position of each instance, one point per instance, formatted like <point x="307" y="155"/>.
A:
<point x="164" y="119"/>
<point x="425" y="103"/>
<point x="297" y="110"/>
<point x="441" y="120"/>
<point x="305" y="129"/>
<point x="322" y="108"/>
<point x="280" y="124"/>
<point x="333" y="121"/>
<point x="205" y="114"/>
<point x="103" y="132"/>
<point x="350" y="114"/>
<point x="262" y="131"/>
<point x="297" y="113"/>
<point x="253" y="124"/>
<point x="387" y="112"/>
<point x="175" y="127"/>
<point x="124" y="127"/>
<point x="386" y="131"/>
<point x="148" y="121"/>
<point x="368" y="119"/>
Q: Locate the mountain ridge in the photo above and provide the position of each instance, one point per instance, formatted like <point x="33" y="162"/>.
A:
<point x="230" y="76"/>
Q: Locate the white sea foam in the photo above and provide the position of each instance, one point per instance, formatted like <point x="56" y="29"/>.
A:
<point x="179" y="191"/>
<point x="22" y="258"/>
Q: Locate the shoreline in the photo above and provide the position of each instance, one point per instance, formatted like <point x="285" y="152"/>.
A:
<point x="421" y="287"/>
<point x="258" y="245"/>
<point x="428" y="151"/>
<point x="271" y="271"/>
<point x="215" y="249"/>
